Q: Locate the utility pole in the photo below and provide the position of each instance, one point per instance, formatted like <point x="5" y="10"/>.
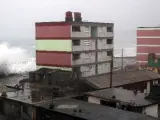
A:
<point x="111" y="69"/>
<point x="122" y="59"/>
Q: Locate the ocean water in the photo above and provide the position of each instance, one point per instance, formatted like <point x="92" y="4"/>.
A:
<point x="21" y="58"/>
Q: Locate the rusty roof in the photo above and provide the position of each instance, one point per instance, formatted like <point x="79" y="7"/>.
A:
<point x="119" y="79"/>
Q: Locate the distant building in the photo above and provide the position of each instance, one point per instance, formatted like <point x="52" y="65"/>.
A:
<point x="124" y="99"/>
<point x="148" y="41"/>
<point x="73" y="45"/>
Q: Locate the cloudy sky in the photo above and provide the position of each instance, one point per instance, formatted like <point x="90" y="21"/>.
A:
<point x="17" y="17"/>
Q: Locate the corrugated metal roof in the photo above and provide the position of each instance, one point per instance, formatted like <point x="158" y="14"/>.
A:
<point x="103" y="81"/>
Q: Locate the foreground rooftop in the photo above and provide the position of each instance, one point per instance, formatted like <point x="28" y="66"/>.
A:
<point x="89" y="111"/>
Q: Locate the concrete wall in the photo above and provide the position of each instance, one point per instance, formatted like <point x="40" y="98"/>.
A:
<point x="102" y="32"/>
<point x="12" y="108"/>
<point x="88" y="70"/>
<point x="148" y="87"/>
<point x="94" y="100"/>
<point x="102" y="44"/>
<point x="15" y="110"/>
<point x="110" y="34"/>
<point x="103" y="68"/>
<point x="85" y="58"/>
<point x="85" y="32"/>
<point x="29" y="115"/>
<point x="102" y="56"/>
<point x="84" y="45"/>
<point x="151" y="110"/>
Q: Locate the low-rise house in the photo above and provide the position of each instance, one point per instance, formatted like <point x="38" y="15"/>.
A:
<point x="124" y="99"/>
<point x="140" y="80"/>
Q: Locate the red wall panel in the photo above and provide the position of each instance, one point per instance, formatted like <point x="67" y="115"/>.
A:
<point x="148" y="49"/>
<point x="142" y="57"/>
<point x="148" y="41"/>
<point x="148" y="33"/>
<point x="53" y="58"/>
<point x="53" y="32"/>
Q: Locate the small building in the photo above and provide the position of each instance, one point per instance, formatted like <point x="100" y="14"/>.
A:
<point x="140" y="80"/>
<point x="71" y="109"/>
<point x="124" y="99"/>
<point x="84" y="48"/>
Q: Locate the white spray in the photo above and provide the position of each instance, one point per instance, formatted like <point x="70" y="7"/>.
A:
<point x="15" y="60"/>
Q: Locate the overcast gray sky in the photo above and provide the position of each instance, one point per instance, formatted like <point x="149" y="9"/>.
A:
<point x="17" y="17"/>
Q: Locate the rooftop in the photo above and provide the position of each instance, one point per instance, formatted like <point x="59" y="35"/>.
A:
<point x="121" y="95"/>
<point x="74" y="23"/>
<point x="89" y="111"/>
<point x="119" y="79"/>
<point x="150" y="27"/>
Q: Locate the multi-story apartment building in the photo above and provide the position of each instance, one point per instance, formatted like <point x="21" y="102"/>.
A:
<point x="74" y="45"/>
<point x="148" y="41"/>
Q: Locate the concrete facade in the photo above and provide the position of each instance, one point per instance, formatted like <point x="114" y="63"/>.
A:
<point x="88" y="70"/>
<point x="103" y="56"/>
<point x="103" y="68"/>
<point x="85" y="58"/>
<point x="102" y="44"/>
<point x="95" y="50"/>
<point x="85" y="31"/>
<point x="84" y="45"/>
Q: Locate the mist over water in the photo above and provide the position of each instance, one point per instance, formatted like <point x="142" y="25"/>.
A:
<point x="15" y="59"/>
<point x="129" y="50"/>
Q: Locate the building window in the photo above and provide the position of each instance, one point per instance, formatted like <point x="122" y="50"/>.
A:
<point x="109" y="53"/>
<point x="76" y="56"/>
<point x="76" y="29"/>
<point x="76" y="42"/>
<point x="109" y="41"/>
<point x="109" y="29"/>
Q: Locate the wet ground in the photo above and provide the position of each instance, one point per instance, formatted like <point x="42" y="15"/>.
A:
<point x="32" y="93"/>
